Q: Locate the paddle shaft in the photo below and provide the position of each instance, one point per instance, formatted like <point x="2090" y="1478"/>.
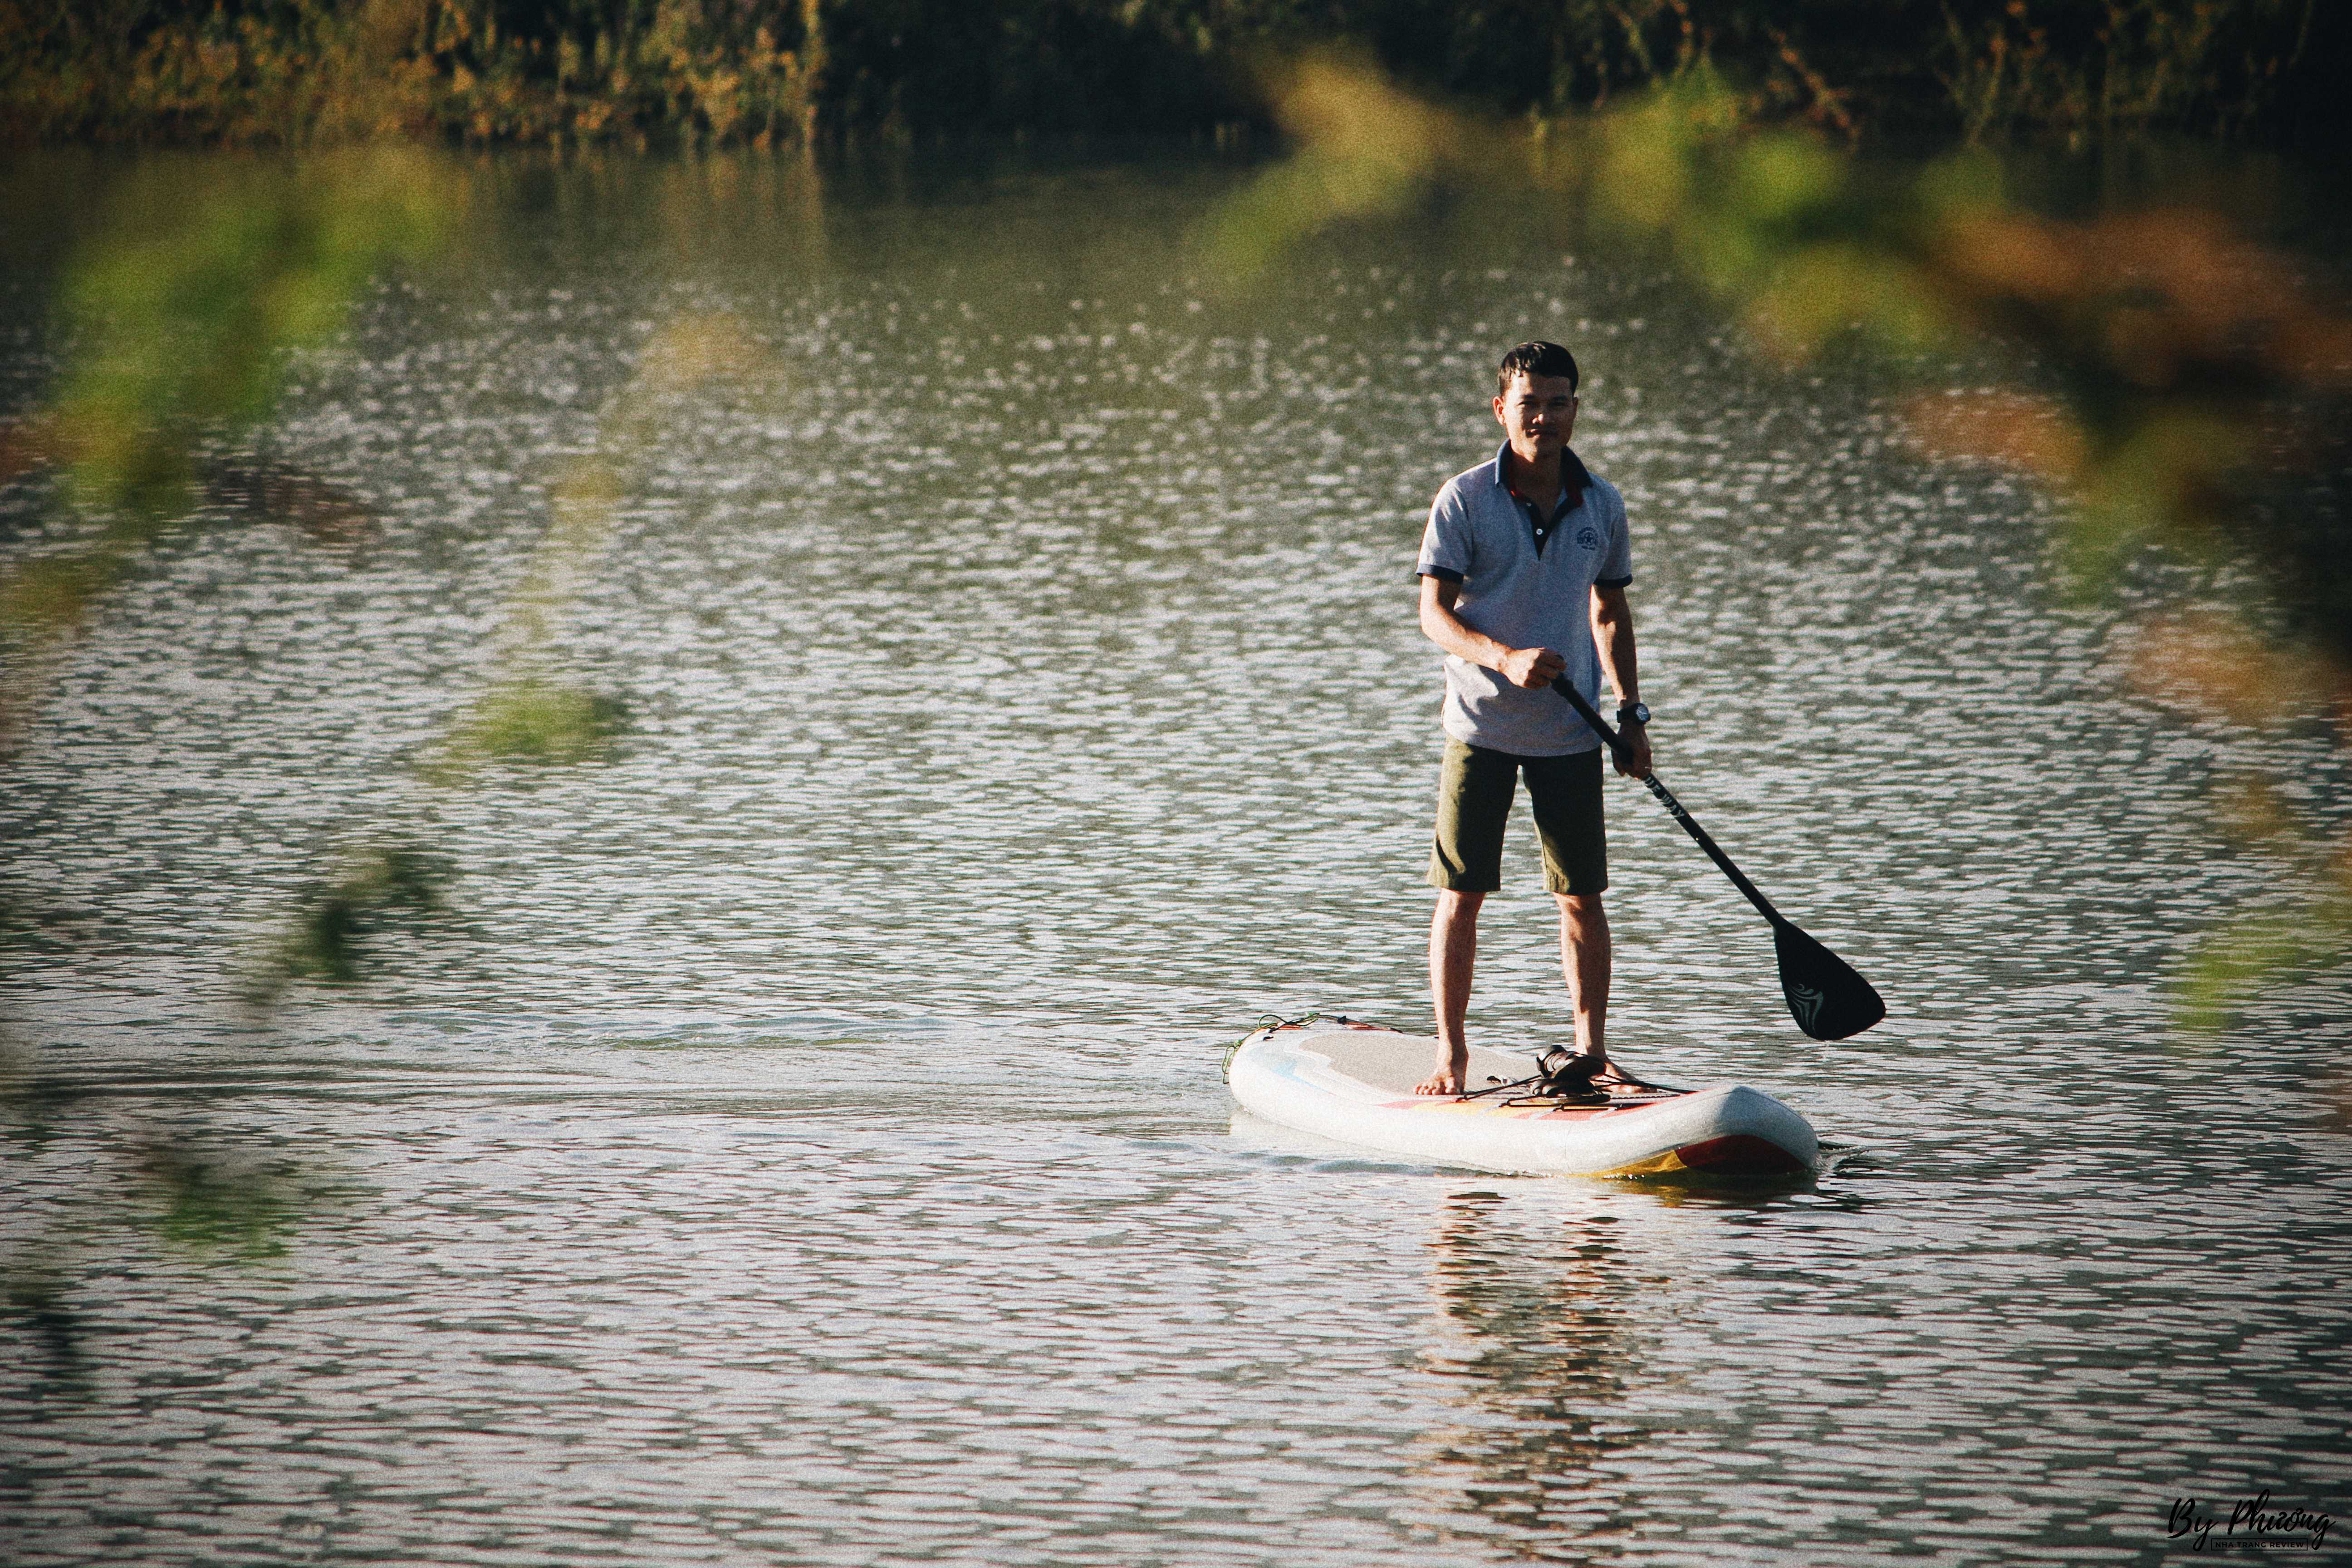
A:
<point x="1584" y="711"/>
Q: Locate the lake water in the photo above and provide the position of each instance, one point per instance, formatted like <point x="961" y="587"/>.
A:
<point x="813" y="1150"/>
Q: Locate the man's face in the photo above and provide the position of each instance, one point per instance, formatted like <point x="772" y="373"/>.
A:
<point x="1539" y="413"/>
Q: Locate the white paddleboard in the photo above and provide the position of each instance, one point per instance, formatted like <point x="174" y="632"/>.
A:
<point x="1354" y="1082"/>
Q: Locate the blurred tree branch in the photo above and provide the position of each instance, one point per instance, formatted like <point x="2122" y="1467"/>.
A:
<point x="2192" y="388"/>
<point x="182" y="313"/>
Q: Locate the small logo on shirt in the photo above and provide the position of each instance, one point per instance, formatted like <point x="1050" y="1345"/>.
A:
<point x="1588" y="538"/>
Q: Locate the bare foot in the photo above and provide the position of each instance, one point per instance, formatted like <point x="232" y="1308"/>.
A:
<point x="1447" y="1078"/>
<point x="1614" y="1077"/>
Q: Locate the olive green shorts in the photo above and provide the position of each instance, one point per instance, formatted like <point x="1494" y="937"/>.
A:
<point x="1475" y="787"/>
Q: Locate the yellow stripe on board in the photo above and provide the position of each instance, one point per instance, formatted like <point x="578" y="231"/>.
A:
<point x="1655" y="1165"/>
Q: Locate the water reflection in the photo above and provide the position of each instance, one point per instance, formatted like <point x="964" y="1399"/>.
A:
<point x="830" y="1099"/>
<point x="1545" y="1351"/>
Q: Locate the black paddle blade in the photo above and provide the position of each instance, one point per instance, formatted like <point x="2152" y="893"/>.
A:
<point x="1826" y="997"/>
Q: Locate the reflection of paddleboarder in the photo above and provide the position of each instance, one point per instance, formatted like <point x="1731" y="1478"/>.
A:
<point x="1546" y="1344"/>
<point x="1523" y="574"/>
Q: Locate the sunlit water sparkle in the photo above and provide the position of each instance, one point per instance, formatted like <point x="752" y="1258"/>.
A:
<point x="814" y="1151"/>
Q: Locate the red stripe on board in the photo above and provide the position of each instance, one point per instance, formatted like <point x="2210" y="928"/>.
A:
<point x="1739" y="1154"/>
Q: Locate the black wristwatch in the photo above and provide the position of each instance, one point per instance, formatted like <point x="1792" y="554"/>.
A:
<point x="1632" y="713"/>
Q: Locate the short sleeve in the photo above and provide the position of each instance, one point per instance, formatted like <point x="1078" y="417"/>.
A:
<point x="1445" y="543"/>
<point x="1617" y="566"/>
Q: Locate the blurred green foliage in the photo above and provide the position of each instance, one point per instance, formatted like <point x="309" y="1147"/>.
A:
<point x="528" y="713"/>
<point x="183" y="310"/>
<point x="180" y="313"/>
<point x="1365" y="149"/>
<point x="334" y="918"/>
<point x="762" y="71"/>
<point x="187" y="307"/>
<point x="537" y="720"/>
<point x="225" y="1205"/>
<point x="193" y="290"/>
<point x="2192" y="391"/>
<point x="34" y="1291"/>
<point x="2245" y="956"/>
<point x="2180" y="385"/>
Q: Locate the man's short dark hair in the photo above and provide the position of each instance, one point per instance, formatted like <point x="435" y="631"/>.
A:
<point x="1538" y="358"/>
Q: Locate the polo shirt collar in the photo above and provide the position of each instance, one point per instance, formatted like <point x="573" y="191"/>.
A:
<point x="1574" y="478"/>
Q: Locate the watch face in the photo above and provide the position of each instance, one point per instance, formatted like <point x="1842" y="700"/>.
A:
<point x="1638" y="712"/>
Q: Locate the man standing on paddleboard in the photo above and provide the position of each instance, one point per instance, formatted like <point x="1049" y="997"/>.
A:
<point x="1523" y="574"/>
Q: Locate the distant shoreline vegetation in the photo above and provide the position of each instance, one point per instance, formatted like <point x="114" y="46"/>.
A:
<point x="761" y="73"/>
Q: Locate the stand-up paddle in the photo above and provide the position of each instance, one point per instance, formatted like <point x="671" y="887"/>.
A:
<point x="1826" y="997"/>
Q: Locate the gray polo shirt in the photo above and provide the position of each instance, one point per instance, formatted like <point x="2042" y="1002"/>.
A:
<point x="1525" y="593"/>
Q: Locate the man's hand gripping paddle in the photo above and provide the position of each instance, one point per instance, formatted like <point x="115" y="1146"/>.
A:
<point x="1826" y="997"/>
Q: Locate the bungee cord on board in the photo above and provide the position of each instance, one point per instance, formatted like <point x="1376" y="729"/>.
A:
<point x="1563" y="1077"/>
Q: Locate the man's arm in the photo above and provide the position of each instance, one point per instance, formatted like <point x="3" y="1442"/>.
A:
<point x="1533" y="668"/>
<point x="1613" y="634"/>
